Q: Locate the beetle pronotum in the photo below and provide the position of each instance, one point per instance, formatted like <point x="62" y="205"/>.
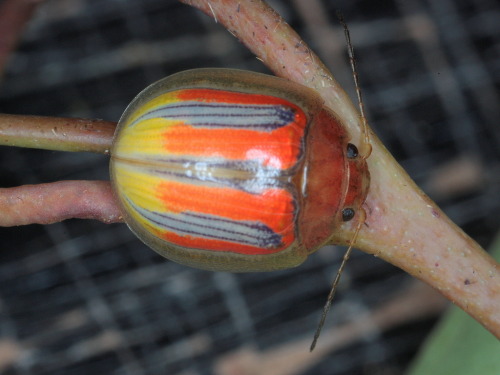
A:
<point x="230" y="170"/>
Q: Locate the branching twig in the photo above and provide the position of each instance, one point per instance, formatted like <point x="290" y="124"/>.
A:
<point x="54" y="202"/>
<point x="57" y="201"/>
<point x="403" y="225"/>
<point x="55" y="133"/>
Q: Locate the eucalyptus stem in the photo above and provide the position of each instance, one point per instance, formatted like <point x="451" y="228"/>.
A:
<point x="56" y="133"/>
<point x="58" y="201"/>
<point x="403" y="226"/>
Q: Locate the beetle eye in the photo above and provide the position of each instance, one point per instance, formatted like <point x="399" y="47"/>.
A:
<point x="352" y="151"/>
<point x="347" y="214"/>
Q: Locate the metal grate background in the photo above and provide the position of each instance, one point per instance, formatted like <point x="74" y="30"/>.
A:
<point x="82" y="297"/>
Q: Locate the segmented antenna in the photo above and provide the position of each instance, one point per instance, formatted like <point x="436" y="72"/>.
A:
<point x="366" y="148"/>
<point x="365" y="151"/>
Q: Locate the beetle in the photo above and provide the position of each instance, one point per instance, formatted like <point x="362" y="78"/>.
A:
<point x="231" y="170"/>
<point x="228" y="170"/>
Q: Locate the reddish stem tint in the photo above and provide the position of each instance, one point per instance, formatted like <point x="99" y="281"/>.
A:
<point x="57" y="201"/>
<point x="403" y="225"/>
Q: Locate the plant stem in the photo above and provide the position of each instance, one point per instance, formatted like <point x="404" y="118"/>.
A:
<point x="403" y="225"/>
<point x="53" y="133"/>
<point x="57" y="201"/>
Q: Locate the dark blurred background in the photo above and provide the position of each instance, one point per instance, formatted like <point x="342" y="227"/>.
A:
<point x="81" y="297"/>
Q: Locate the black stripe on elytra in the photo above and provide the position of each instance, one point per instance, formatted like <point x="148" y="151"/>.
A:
<point x="267" y="239"/>
<point x="285" y="115"/>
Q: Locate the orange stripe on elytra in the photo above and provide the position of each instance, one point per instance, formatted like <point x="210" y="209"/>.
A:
<point x="279" y="149"/>
<point x="274" y="207"/>
<point x="230" y="97"/>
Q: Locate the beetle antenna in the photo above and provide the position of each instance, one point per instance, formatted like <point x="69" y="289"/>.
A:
<point x="365" y="151"/>
<point x="366" y="148"/>
<point x="336" y="281"/>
